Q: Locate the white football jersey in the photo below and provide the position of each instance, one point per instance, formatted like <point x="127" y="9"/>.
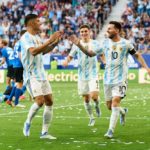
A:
<point x="87" y="66"/>
<point x="33" y="65"/>
<point x="116" y="54"/>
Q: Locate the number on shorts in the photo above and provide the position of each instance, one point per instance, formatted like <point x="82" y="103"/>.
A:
<point x="122" y="89"/>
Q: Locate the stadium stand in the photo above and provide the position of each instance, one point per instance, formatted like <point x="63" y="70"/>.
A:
<point x="55" y="15"/>
<point x="136" y="24"/>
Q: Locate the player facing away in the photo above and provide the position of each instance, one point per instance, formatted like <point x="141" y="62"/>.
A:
<point x="17" y="89"/>
<point x="34" y="76"/>
<point x="116" y="50"/>
<point x="88" y="83"/>
<point x="8" y="57"/>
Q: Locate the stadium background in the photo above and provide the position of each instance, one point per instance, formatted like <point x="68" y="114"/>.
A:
<point x="69" y="15"/>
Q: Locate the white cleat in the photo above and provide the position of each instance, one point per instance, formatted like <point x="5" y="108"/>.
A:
<point x="47" y="136"/>
<point x="92" y="122"/>
<point x="20" y="106"/>
<point x="26" y="129"/>
<point x="109" y="134"/>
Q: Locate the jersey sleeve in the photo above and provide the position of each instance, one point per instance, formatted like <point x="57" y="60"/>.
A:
<point x="27" y="42"/>
<point x="4" y="54"/>
<point x="131" y="48"/>
<point x="73" y="51"/>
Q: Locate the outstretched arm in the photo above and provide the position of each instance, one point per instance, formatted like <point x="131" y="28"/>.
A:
<point x="37" y="50"/>
<point x="76" y="41"/>
<point x="50" y="47"/>
<point x="142" y="61"/>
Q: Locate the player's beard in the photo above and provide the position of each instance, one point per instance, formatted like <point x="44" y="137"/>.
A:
<point x="111" y="36"/>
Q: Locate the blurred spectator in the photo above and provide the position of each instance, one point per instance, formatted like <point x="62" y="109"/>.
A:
<point x="142" y="47"/>
<point x="136" y="24"/>
<point x="1" y="30"/>
<point x="56" y="15"/>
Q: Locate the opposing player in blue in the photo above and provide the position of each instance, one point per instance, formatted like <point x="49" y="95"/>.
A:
<point x="8" y="57"/>
<point x="116" y="50"/>
<point x="88" y="83"/>
<point x="18" y="89"/>
<point x="32" y="49"/>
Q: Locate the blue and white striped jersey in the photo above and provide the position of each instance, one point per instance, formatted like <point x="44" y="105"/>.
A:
<point x="17" y="51"/>
<point x="87" y="66"/>
<point x="33" y="65"/>
<point x="8" y="54"/>
<point x="116" y="54"/>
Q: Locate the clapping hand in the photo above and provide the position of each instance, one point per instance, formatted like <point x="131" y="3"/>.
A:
<point x="74" y="39"/>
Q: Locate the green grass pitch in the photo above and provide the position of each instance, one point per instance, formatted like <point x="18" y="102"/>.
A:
<point x="70" y="123"/>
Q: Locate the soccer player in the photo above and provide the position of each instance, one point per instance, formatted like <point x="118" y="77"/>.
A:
<point x="88" y="83"/>
<point x="17" y="89"/>
<point x="116" y="50"/>
<point x="34" y="76"/>
<point x="8" y="57"/>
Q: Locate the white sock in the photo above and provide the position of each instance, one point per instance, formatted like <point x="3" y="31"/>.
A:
<point x="88" y="109"/>
<point x="33" y="110"/>
<point x="122" y="111"/>
<point x="114" y="118"/>
<point x="47" y="117"/>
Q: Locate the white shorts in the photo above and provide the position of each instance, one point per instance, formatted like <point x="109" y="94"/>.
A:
<point x="111" y="91"/>
<point x="85" y="87"/>
<point x="38" y="87"/>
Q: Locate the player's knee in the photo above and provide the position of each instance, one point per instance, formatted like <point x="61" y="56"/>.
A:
<point x="40" y="100"/>
<point x="86" y="98"/>
<point x="49" y="103"/>
<point x="94" y="97"/>
<point x="115" y="104"/>
<point x="40" y="104"/>
<point x="48" y="99"/>
<point x="116" y="101"/>
<point x="109" y="106"/>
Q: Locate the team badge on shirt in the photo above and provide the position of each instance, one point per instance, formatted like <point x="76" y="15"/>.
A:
<point x="114" y="47"/>
<point x="119" y="48"/>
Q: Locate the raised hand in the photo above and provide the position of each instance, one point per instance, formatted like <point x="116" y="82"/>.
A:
<point x="74" y="39"/>
<point x="56" y="36"/>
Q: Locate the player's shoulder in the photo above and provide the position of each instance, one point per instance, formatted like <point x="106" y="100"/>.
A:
<point x="95" y="42"/>
<point x="125" y="41"/>
<point x="25" y="36"/>
<point x="3" y="50"/>
<point x="106" y="42"/>
<point x="9" y="48"/>
<point x="17" y="44"/>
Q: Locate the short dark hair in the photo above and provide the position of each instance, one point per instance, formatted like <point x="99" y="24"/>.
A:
<point x="22" y="32"/>
<point x="116" y="24"/>
<point x="30" y="17"/>
<point x="4" y="42"/>
<point x="85" y="26"/>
